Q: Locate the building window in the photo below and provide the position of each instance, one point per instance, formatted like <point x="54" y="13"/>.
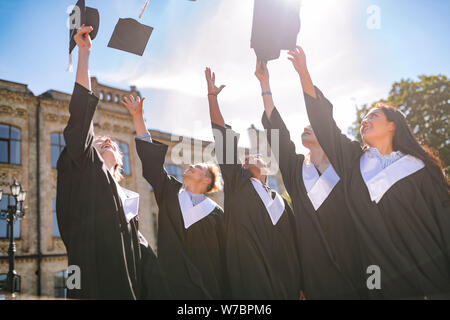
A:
<point x="175" y="171"/>
<point x="3" y="278"/>
<point x="57" y="145"/>
<point x="60" y="289"/>
<point x="272" y="183"/>
<point x="4" y="282"/>
<point x="55" y="228"/>
<point x="126" y="158"/>
<point x="8" y="200"/>
<point x="9" y="144"/>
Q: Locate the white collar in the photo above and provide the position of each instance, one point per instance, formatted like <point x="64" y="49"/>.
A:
<point x="130" y="201"/>
<point x="386" y="160"/>
<point x="191" y="214"/>
<point x="379" y="180"/>
<point x="318" y="187"/>
<point x="275" y="207"/>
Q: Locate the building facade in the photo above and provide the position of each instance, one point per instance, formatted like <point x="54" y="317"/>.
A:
<point x="31" y="139"/>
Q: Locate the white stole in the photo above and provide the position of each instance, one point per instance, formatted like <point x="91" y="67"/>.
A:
<point x="191" y="214"/>
<point x="379" y="180"/>
<point x="274" y="207"/>
<point x="130" y="201"/>
<point x="318" y="187"/>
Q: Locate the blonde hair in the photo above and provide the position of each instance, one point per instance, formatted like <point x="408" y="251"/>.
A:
<point x="216" y="178"/>
<point x="117" y="170"/>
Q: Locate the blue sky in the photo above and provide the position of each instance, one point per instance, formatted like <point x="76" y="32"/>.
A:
<point x="348" y="61"/>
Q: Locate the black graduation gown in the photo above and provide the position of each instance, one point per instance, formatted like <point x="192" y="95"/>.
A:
<point x="114" y="259"/>
<point x="262" y="260"/>
<point x="407" y="234"/>
<point x="192" y="258"/>
<point x="328" y="246"/>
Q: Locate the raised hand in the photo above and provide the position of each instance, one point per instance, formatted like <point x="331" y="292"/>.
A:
<point x="82" y="38"/>
<point x="261" y="72"/>
<point x="133" y="105"/>
<point x="211" y="81"/>
<point x="298" y="59"/>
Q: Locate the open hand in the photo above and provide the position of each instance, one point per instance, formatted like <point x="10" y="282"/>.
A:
<point x="133" y="105"/>
<point x="82" y="38"/>
<point x="261" y="72"/>
<point x="298" y="59"/>
<point x="211" y="81"/>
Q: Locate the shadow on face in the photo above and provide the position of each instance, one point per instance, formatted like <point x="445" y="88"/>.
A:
<point x="256" y="165"/>
<point x="376" y="127"/>
<point x="108" y="149"/>
<point x="309" y="138"/>
<point x="197" y="175"/>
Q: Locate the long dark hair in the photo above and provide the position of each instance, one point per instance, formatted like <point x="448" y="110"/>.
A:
<point x="405" y="141"/>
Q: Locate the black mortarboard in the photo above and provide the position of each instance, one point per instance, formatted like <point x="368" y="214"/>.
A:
<point x="131" y="36"/>
<point x="82" y="15"/>
<point x="276" y="24"/>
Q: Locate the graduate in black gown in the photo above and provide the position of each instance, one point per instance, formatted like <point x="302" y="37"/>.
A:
<point x="190" y="224"/>
<point x="397" y="195"/>
<point x="261" y="252"/>
<point x="97" y="218"/>
<point x="328" y="244"/>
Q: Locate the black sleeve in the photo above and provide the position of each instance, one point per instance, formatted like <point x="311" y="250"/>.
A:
<point x="226" y="149"/>
<point x="341" y="151"/>
<point x="152" y="155"/>
<point x="79" y="132"/>
<point x="288" y="160"/>
<point x="437" y="200"/>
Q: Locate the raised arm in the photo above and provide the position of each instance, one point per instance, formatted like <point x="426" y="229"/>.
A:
<point x="262" y="74"/>
<point x="341" y="151"/>
<point x="79" y="132"/>
<point x="283" y="147"/>
<point x="83" y="41"/>
<point x="213" y="91"/>
<point x="298" y="59"/>
<point x="151" y="153"/>
<point x="226" y="140"/>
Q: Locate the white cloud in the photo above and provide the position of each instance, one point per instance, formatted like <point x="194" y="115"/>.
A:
<point x="222" y="41"/>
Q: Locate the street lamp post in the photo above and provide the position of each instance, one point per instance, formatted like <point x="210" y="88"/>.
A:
<point x="11" y="214"/>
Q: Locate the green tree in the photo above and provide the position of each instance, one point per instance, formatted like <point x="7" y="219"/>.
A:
<point x="426" y="104"/>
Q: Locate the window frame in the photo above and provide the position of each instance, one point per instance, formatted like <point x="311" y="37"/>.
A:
<point x="64" y="287"/>
<point x="125" y="156"/>
<point x="17" y="225"/>
<point x="58" y="145"/>
<point x="55" y="220"/>
<point x="8" y="142"/>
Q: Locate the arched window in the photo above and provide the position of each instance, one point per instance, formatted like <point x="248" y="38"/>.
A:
<point x="57" y="145"/>
<point x="9" y="144"/>
<point x="272" y="183"/>
<point x="126" y="157"/>
<point x="59" y="280"/>
<point x="8" y="200"/>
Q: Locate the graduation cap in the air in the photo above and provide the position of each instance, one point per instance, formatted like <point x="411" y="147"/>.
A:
<point x="82" y="15"/>
<point x="130" y="35"/>
<point x="276" y="25"/>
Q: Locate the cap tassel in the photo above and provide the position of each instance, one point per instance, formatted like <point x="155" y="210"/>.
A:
<point x="143" y="9"/>
<point x="70" y="67"/>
